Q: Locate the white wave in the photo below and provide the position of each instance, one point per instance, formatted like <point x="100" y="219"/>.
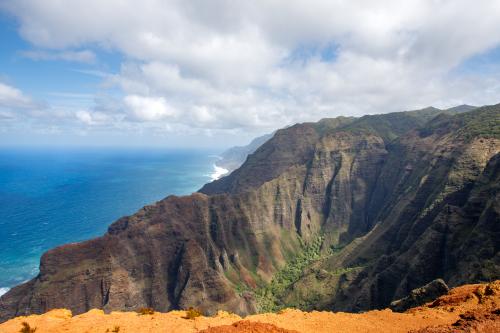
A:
<point x="218" y="172"/>
<point x="3" y="291"/>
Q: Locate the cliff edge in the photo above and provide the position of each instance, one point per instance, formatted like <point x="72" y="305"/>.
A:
<point x="469" y="308"/>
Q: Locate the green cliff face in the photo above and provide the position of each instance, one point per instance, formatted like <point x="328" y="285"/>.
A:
<point x="433" y="212"/>
<point x="345" y="214"/>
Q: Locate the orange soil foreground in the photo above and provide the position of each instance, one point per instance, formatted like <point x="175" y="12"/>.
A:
<point x="470" y="308"/>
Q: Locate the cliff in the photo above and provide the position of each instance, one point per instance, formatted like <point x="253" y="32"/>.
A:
<point x="234" y="157"/>
<point x="394" y="201"/>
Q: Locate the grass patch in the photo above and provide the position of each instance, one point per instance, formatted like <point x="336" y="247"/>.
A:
<point x="145" y="311"/>
<point x="269" y="297"/>
<point x="192" y="313"/>
<point x="27" y="328"/>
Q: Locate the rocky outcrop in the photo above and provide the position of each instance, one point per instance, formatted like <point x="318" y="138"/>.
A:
<point x="420" y="296"/>
<point x="399" y="202"/>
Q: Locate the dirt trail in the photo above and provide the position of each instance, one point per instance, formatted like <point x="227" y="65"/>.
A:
<point x="470" y="308"/>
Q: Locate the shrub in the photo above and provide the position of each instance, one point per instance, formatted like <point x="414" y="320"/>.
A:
<point x="145" y="311"/>
<point x="269" y="297"/>
<point x="116" y="329"/>
<point x="27" y="328"/>
<point x="192" y="313"/>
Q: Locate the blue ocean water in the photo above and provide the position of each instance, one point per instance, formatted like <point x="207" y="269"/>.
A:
<point x="52" y="197"/>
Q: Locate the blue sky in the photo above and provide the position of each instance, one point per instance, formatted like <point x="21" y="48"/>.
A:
<point x="178" y="73"/>
<point x="42" y="78"/>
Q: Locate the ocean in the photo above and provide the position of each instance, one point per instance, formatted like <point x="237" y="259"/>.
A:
<point x="50" y="197"/>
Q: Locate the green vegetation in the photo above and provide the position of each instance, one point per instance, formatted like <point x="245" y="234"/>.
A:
<point x="269" y="297"/>
<point x="327" y="125"/>
<point x="336" y="248"/>
<point x="116" y="329"/>
<point x="145" y="311"/>
<point x="192" y="313"/>
<point x="482" y="122"/>
<point x="387" y="126"/>
<point x="27" y="328"/>
<point x="485" y="125"/>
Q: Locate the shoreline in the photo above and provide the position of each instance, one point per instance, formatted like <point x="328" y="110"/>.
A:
<point x="218" y="172"/>
<point x="3" y="291"/>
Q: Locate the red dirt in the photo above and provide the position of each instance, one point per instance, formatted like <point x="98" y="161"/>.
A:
<point x="247" y="327"/>
<point x="484" y="318"/>
<point x="470" y="308"/>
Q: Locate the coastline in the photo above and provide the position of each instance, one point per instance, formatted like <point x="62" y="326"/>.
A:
<point x="218" y="172"/>
<point x="42" y="179"/>
<point x="3" y="291"/>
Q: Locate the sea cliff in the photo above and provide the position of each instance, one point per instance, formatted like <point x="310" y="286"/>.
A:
<point x="390" y="202"/>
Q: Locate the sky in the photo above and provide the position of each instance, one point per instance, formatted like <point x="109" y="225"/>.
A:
<point x="199" y="73"/>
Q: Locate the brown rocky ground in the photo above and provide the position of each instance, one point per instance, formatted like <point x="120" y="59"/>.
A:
<point x="469" y="308"/>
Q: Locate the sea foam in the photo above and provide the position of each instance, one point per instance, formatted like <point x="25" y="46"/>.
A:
<point x="3" y="291"/>
<point x="218" y="172"/>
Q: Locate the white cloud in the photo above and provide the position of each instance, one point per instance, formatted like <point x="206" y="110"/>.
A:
<point x="148" y="108"/>
<point x="13" y="98"/>
<point x="257" y="65"/>
<point x="94" y="118"/>
<point x="84" y="56"/>
<point x="84" y="117"/>
<point x="7" y="115"/>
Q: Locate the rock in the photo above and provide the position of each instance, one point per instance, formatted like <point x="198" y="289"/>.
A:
<point x="420" y="296"/>
<point x="322" y="274"/>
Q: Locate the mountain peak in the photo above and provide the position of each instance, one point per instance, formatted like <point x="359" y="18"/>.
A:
<point x="462" y="108"/>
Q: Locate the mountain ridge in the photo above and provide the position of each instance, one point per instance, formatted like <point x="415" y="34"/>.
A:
<point x="232" y="158"/>
<point x="352" y="181"/>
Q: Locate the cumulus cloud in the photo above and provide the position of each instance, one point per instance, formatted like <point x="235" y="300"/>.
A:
<point x="92" y="118"/>
<point x="13" y="98"/>
<point x="257" y="65"/>
<point x="148" y="108"/>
